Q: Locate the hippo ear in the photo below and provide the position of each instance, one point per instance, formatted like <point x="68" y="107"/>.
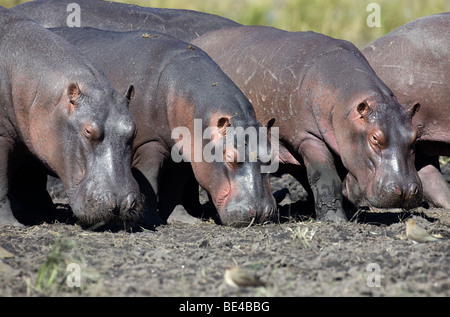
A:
<point x="364" y="109"/>
<point x="414" y="109"/>
<point x="222" y="125"/>
<point x="129" y="94"/>
<point x="74" y="93"/>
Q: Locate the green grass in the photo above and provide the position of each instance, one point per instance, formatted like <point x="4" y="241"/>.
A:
<point x="345" y="19"/>
<point x="444" y="160"/>
<point x="51" y="274"/>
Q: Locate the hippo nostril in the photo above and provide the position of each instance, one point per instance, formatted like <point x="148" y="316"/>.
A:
<point x="110" y="201"/>
<point x="132" y="203"/>
<point x="414" y="189"/>
<point x="128" y="203"/>
<point x="398" y="190"/>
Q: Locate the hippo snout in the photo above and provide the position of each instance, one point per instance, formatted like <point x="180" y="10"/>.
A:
<point x="110" y="207"/>
<point x="406" y="195"/>
<point x="127" y="207"/>
<point x="239" y="215"/>
<point x="380" y="195"/>
<point x="411" y="191"/>
<point x="120" y="207"/>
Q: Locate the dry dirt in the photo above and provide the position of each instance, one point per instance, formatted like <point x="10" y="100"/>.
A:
<point x="368" y="256"/>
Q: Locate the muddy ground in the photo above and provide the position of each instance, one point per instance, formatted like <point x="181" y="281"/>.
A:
<point x="368" y="256"/>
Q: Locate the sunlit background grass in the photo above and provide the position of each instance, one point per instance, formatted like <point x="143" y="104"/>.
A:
<point x="345" y="19"/>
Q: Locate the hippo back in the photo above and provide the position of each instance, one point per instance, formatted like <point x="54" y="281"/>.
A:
<point x="112" y="16"/>
<point x="414" y="61"/>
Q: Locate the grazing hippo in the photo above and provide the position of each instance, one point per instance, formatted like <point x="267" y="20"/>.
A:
<point x="60" y="115"/>
<point x="331" y="108"/>
<point x="414" y="61"/>
<point x="113" y="16"/>
<point x="178" y="86"/>
<point x="334" y="116"/>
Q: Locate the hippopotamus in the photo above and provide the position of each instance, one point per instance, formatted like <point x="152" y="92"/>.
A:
<point x="61" y="116"/>
<point x="113" y="16"/>
<point x="179" y="87"/>
<point x="333" y="111"/>
<point x="338" y="122"/>
<point x="414" y="61"/>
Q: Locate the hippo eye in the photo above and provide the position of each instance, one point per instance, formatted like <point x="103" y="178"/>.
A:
<point x="87" y="133"/>
<point x="377" y="138"/>
<point x="91" y="132"/>
<point x="374" y="139"/>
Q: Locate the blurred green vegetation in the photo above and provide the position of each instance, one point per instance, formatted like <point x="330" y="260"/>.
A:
<point x="345" y="19"/>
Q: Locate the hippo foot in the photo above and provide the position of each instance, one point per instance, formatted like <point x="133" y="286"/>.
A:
<point x="332" y="216"/>
<point x="180" y="215"/>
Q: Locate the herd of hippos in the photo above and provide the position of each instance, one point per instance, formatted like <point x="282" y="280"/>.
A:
<point x="97" y="105"/>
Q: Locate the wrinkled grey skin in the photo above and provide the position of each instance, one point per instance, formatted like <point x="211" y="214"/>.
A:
<point x="414" y="61"/>
<point x="177" y="83"/>
<point x="60" y="115"/>
<point x="113" y="16"/>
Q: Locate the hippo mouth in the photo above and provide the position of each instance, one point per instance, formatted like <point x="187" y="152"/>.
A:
<point x="236" y="208"/>
<point x="379" y="195"/>
<point x="221" y="198"/>
<point x="242" y="213"/>
<point x="234" y="214"/>
<point x="221" y="201"/>
<point x="92" y="207"/>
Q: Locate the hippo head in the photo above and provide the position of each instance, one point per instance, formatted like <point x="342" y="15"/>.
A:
<point x="233" y="173"/>
<point x="379" y="154"/>
<point x="94" y="137"/>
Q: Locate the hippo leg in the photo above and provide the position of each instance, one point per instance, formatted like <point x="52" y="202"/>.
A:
<point x="147" y="163"/>
<point x="173" y="190"/>
<point x="6" y="215"/>
<point x="30" y="200"/>
<point x="191" y="201"/>
<point x="191" y="197"/>
<point x="324" y="180"/>
<point x="435" y="188"/>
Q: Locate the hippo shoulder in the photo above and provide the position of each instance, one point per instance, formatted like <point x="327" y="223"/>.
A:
<point x="8" y="17"/>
